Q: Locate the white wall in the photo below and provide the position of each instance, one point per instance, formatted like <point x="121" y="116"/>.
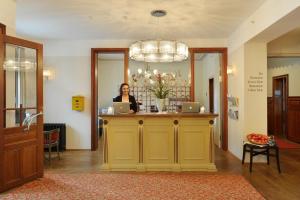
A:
<point x="255" y="101"/>
<point x="236" y="89"/>
<point x="72" y="77"/>
<point x="282" y="66"/>
<point x="206" y="68"/>
<point x="8" y="16"/>
<point x="249" y="62"/>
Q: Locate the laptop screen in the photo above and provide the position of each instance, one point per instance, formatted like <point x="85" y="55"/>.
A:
<point x="190" y="107"/>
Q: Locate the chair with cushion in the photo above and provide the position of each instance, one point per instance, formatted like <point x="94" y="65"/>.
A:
<point x="51" y="139"/>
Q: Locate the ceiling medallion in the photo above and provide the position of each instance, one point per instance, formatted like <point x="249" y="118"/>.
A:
<point x="158" y="50"/>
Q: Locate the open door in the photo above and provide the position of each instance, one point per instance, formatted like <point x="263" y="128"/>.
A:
<point x="280" y="95"/>
<point x="21" y="105"/>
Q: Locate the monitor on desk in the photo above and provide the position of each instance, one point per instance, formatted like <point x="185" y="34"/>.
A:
<point x="121" y="107"/>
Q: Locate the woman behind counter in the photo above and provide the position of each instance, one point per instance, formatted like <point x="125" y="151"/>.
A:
<point x="125" y="97"/>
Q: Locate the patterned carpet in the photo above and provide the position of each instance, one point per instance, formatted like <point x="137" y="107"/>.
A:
<point x="286" y="144"/>
<point x="143" y="186"/>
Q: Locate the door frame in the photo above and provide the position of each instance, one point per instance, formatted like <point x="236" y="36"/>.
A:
<point x="39" y="108"/>
<point x="274" y="78"/>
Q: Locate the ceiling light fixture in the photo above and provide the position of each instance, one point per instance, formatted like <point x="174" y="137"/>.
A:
<point x="158" y="50"/>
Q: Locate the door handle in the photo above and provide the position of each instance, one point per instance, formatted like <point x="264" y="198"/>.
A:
<point x="28" y="120"/>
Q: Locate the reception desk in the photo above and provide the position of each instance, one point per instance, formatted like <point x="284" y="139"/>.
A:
<point x="158" y="142"/>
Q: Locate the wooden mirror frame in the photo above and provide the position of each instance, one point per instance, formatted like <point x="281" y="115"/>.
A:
<point x="94" y="87"/>
<point x="224" y="88"/>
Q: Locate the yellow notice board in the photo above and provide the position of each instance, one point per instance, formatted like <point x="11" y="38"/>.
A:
<point x="78" y="103"/>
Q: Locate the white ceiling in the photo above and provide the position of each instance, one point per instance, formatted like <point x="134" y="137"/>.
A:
<point x="131" y="19"/>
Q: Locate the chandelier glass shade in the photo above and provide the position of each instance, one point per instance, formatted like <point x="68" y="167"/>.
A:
<point x="158" y="51"/>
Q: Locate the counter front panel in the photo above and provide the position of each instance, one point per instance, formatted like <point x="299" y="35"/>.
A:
<point x="158" y="142"/>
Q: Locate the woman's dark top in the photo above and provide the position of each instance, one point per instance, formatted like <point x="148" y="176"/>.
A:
<point x="133" y="105"/>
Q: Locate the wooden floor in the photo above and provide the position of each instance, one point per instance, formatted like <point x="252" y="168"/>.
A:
<point x="264" y="178"/>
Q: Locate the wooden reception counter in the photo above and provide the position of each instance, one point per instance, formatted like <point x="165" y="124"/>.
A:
<point x="158" y="142"/>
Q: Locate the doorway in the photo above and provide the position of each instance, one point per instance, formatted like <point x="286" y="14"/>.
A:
<point x="211" y="95"/>
<point x="280" y="97"/>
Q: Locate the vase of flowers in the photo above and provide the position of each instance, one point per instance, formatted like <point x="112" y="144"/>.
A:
<point x="161" y="91"/>
<point x="161" y="104"/>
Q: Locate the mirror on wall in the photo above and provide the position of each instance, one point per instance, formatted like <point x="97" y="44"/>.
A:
<point x="176" y="75"/>
<point x="110" y="77"/>
<point x="207" y="73"/>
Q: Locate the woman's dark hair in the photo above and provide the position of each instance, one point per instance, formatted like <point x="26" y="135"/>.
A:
<point x="121" y="87"/>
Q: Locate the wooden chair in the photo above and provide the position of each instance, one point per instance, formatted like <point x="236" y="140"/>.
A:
<point x="255" y="150"/>
<point x="51" y="139"/>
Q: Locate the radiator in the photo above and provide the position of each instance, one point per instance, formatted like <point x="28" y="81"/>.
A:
<point x="62" y="134"/>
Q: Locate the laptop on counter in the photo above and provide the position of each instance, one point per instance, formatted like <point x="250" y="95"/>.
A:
<point x="121" y="107"/>
<point x="190" y="107"/>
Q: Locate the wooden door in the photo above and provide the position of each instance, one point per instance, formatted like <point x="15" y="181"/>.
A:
<point x="21" y="97"/>
<point x="211" y="95"/>
<point x="280" y="93"/>
<point x="270" y="115"/>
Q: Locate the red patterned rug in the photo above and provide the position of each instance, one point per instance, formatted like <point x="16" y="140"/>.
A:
<point x="143" y="186"/>
<point x="286" y="144"/>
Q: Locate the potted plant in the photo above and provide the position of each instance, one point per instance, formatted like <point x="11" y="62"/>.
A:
<point x="161" y="91"/>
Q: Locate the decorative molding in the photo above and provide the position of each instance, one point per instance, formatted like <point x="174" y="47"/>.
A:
<point x="141" y="141"/>
<point x="176" y="141"/>
<point x="283" y="55"/>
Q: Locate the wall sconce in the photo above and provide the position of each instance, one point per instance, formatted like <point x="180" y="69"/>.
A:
<point x="48" y="74"/>
<point x="230" y="70"/>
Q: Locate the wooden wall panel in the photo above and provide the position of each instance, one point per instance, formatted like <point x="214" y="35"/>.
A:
<point x="123" y="142"/>
<point x="12" y="168"/>
<point x="294" y="119"/>
<point x="158" y="143"/>
<point x="194" y="142"/>
<point x="29" y="161"/>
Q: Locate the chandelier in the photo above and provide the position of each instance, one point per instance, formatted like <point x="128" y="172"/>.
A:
<point x="158" y="50"/>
